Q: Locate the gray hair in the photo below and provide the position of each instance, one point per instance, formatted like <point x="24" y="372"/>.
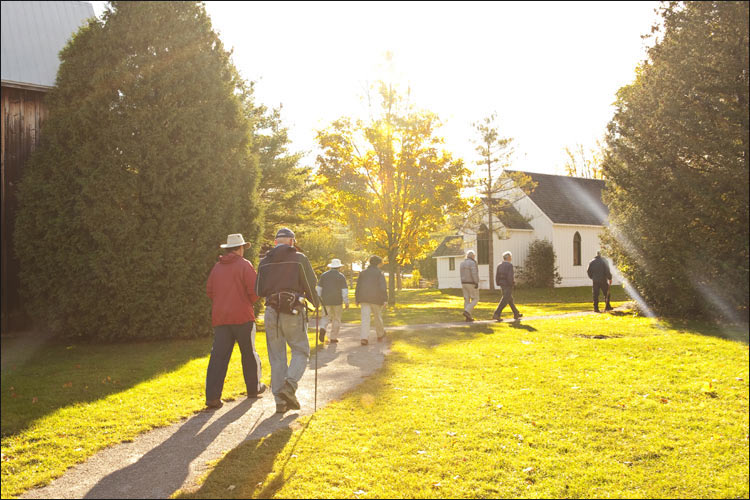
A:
<point x="470" y="252"/>
<point x="506" y="255"/>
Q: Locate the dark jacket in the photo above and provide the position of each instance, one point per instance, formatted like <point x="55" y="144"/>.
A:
<point x="286" y="269"/>
<point x="371" y="287"/>
<point x="599" y="269"/>
<point x="331" y="283"/>
<point x="504" y="275"/>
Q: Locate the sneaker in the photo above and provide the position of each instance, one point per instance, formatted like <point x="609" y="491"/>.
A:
<point x="214" y="403"/>
<point x="261" y="390"/>
<point x="518" y="316"/>
<point x="597" y="310"/>
<point x="333" y="341"/>
<point x="467" y="316"/>
<point x="363" y="342"/>
<point x="609" y="308"/>
<point x="499" y="320"/>
<point x="381" y="339"/>
<point x="281" y="408"/>
<point x="322" y="336"/>
<point x="287" y="394"/>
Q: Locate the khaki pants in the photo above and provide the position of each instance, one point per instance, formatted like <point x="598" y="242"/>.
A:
<point x="471" y="297"/>
<point x="333" y="318"/>
<point x="376" y="312"/>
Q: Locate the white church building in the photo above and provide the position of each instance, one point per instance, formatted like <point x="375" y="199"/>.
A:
<point x="567" y="211"/>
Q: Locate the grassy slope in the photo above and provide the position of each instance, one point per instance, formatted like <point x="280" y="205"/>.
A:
<point x="535" y="411"/>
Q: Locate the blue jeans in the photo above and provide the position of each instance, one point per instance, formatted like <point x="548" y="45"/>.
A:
<point x="281" y="330"/>
<point x="224" y="338"/>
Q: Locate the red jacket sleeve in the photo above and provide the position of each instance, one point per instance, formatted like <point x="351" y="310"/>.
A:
<point x="249" y="279"/>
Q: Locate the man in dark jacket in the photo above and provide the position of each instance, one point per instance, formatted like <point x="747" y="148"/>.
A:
<point x="286" y="279"/>
<point x="231" y="288"/>
<point x="505" y="279"/>
<point x="601" y="276"/>
<point x="372" y="295"/>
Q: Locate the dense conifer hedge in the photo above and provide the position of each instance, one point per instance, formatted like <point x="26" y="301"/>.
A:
<point x="539" y="269"/>
<point x="145" y="166"/>
<point x="677" y="172"/>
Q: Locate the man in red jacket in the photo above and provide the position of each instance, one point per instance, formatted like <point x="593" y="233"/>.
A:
<point x="231" y="288"/>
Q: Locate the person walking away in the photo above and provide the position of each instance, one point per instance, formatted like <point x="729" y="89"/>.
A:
<point x="371" y="294"/>
<point x="601" y="278"/>
<point x="334" y="292"/>
<point x="505" y="279"/>
<point x="231" y="288"/>
<point x="470" y="283"/>
<point x="286" y="279"/>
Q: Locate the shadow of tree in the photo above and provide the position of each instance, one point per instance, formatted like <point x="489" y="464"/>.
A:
<point x="35" y="366"/>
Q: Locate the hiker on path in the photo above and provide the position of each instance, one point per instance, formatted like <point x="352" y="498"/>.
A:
<point x="231" y="288"/>
<point x="286" y="279"/>
<point x="505" y="280"/>
<point x="334" y="292"/>
<point x="470" y="284"/>
<point x="601" y="277"/>
<point x="371" y="294"/>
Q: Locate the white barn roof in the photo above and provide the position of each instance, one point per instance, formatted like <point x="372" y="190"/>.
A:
<point x="33" y="33"/>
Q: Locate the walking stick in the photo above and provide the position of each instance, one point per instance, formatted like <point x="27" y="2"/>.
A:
<point x="317" y="316"/>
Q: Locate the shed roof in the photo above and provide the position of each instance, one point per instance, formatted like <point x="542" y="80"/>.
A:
<point x="33" y="33"/>
<point x="570" y="200"/>
<point x="451" y="246"/>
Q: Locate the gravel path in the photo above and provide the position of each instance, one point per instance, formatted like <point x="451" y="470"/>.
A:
<point x="159" y="462"/>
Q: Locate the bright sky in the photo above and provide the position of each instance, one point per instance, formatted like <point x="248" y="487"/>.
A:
<point x="549" y="70"/>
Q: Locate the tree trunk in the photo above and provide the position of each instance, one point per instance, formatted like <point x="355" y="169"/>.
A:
<point x="392" y="272"/>
<point x="400" y="278"/>
<point x="491" y="251"/>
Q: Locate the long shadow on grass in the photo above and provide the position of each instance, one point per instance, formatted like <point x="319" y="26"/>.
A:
<point x="737" y="333"/>
<point x="161" y="471"/>
<point x="46" y="374"/>
<point x="249" y="466"/>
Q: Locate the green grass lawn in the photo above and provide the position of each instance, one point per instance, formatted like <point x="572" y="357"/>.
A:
<point x="532" y="410"/>
<point x="430" y="305"/>
<point x="61" y="403"/>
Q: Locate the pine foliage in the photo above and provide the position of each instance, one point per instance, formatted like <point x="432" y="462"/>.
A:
<point x="539" y="270"/>
<point x="145" y="166"/>
<point x="677" y="168"/>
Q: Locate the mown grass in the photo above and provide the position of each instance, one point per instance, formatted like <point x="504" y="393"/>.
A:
<point x="537" y="410"/>
<point x="61" y="403"/>
<point x="430" y="305"/>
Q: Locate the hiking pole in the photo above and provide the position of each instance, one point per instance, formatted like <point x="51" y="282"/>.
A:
<point x="317" y="315"/>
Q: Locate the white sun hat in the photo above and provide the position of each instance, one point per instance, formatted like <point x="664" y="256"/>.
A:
<point x="235" y="240"/>
<point x="335" y="263"/>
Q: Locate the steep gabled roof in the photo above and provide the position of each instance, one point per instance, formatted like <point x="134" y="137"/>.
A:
<point x="451" y="246"/>
<point x="570" y="200"/>
<point x="33" y="34"/>
<point x="512" y="219"/>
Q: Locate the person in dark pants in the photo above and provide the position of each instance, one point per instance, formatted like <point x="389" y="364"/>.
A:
<point x="601" y="276"/>
<point x="231" y="288"/>
<point x="505" y="280"/>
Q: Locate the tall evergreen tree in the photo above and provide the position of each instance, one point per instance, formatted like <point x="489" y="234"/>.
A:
<point x="145" y="166"/>
<point x="677" y="165"/>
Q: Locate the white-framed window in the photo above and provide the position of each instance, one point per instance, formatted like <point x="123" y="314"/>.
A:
<point x="451" y="263"/>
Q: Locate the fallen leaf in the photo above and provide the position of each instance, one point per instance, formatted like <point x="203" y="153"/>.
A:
<point x="436" y="485"/>
<point x="78" y="449"/>
<point x="664" y="400"/>
<point x="12" y="389"/>
<point x="499" y="406"/>
<point x="231" y="487"/>
<point x="78" y="366"/>
<point x="34" y="400"/>
<point x="451" y="433"/>
<point x="528" y="469"/>
<point x="421" y="452"/>
<point x="68" y="384"/>
<point x="456" y="477"/>
<point x="417" y="432"/>
<point x="526" y="342"/>
<point x="360" y="492"/>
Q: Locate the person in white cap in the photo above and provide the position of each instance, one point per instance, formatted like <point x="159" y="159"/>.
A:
<point x="334" y="292"/>
<point x="470" y="284"/>
<point x="231" y="288"/>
